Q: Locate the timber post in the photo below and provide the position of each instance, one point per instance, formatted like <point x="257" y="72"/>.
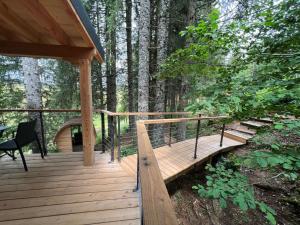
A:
<point x="86" y="111"/>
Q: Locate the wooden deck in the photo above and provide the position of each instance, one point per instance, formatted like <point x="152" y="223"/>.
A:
<point x="60" y="190"/>
<point x="179" y="157"/>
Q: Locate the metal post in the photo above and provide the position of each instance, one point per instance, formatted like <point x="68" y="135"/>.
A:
<point x="119" y="139"/>
<point x="170" y="132"/>
<point x="43" y="133"/>
<point x="103" y="131"/>
<point x="137" y="173"/>
<point x="112" y="136"/>
<point x="222" y="135"/>
<point x="197" y="136"/>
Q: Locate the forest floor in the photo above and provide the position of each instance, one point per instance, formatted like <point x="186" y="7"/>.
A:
<point x="269" y="187"/>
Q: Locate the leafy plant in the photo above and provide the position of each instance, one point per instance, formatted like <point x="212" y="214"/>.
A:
<point x="229" y="185"/>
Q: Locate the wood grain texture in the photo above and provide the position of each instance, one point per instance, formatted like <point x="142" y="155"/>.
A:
<point x="101" y="194"/>
<point x="156" y="203"/>
<point x="86" y="111"/>
<point x="178" y="158"/>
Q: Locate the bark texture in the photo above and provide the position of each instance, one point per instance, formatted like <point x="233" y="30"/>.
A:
<point x="144" y="43"/>
<point x="130" y="77"/>
<point x="33" y="91"/>
<point x="162" y="44"/>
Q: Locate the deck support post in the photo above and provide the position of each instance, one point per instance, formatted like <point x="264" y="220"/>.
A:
<point x="222" y="135"/>
<point x="86" y="111"/>
<point x="103" y="131"/>
<point x="197" y="136"/>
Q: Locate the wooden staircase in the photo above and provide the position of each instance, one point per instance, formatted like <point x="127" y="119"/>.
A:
<point x="245" y="130"/>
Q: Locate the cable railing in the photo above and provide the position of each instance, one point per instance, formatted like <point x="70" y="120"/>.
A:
<point x="112" y="135"/>
<point x="156" y="204"/>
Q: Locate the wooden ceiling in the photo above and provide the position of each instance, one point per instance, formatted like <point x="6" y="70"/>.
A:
<point x="47" y="28"/>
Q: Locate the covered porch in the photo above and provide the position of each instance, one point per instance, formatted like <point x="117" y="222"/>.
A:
<point x="55" y="29"/>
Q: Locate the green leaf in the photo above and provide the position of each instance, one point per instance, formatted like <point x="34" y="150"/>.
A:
<point x="271" y="218"/>
<point x="262" y="162"/>
<point x="223" y="203"/>
<point x="287" y="166"/>
<point x="279" y="126"/>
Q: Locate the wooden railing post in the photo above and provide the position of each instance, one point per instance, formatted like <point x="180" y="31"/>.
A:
<point x="43" y="133"/>
<point x="103" y="131"/>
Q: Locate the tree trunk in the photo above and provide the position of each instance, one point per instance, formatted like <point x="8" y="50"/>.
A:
<point x="190" y="18"/>
<point x="111" y="60"/>
<point x="33" y="91"/>
<point x="144" y="43"/>
<point x="130" y="77"/>
<point x="162" y="45"/>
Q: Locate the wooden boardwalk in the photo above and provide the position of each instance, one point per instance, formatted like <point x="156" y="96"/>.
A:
<point x="60" y="190"/>
<point x="179" y="157"/>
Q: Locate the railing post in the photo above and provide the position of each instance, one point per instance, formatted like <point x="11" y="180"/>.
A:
<point x="137" y="173"/>
<point x="197" y="136"/>
<point x="170" y="132"/>
<point x="119" y="139"/>
<point x="112" y="136"/>
<point x="222" y="135"/>
<point x="43" y="133"/>
<point x="103" y="131"/>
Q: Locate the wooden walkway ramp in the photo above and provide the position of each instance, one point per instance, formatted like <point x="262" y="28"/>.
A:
<point x="179" y="157"/>
<point x="60" y="190"/>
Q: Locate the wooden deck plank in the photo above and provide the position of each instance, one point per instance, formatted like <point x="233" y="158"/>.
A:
<point x="63" y="209"/>
<point x="179" y="157"/>
<point x="67" y="199"/>
<point x="64" y="184"/>
<point x="60" y="190"/>
<point x="80" y="218"/>
<point x="54" y="178"/>
<point x="67" y="190"/>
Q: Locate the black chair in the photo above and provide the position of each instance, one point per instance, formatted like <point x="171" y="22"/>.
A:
<point x="25" y="135"/>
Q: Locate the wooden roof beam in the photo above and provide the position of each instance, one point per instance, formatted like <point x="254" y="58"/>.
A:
<point x="43" y="50"/>
<point x="18" y="24"/>
<point x="45" y="20"/>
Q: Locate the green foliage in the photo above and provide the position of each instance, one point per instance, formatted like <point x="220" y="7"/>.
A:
<point x="128" y="150"/>
<point x="271" y="153"/>
<point x="245" y="67"/>
<point x="228" y="185"/>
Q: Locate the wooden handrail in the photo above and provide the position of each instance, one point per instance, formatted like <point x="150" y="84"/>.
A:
<point x="156" y="203"/>
<point x="179" y="120"/>
<point x="99" y="110"/>
<point x="141" y="113"/>
<point x="40" y="110"/>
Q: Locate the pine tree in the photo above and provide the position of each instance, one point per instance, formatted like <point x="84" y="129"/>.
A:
<point x="144" y="43"/>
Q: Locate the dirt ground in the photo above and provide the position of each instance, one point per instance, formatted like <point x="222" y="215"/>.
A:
<point x="274" y="191"/>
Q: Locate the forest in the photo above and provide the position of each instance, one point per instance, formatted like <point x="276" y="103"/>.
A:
<point x="239" y="58"/>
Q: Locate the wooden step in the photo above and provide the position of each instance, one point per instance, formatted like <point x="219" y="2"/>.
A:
<point x="254" y="124"/>
<point x="237" y="135"/>
<point x="241" y="128"/>
<point x="264" y="120"/>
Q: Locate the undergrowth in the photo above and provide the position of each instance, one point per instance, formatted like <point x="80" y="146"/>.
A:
<point x="275" y="149"/>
